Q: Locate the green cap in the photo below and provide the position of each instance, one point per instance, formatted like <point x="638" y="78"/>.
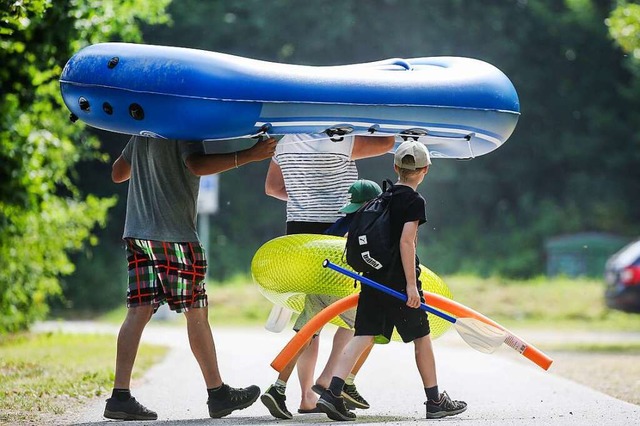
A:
<point x="361" y="191"/>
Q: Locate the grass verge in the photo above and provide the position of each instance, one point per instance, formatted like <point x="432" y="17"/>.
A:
<point x="235" y="303"/>
<point x="551" y="303"/>
<point x="49" y="373"/>
<point x="543" y="303"/>
<point x="631" y="348"/>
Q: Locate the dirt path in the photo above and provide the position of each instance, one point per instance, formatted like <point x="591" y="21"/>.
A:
<point x="615" y="374"/>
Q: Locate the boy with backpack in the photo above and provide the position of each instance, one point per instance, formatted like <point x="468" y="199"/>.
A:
<point x="377" y="313"/>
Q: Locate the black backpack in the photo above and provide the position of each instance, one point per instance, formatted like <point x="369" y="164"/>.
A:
<point x="369" y="247"/>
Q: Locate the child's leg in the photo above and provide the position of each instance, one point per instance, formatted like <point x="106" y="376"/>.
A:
<point x="274" y="397"/>
<point x="331" y="401"/>
<point x="362" y="359"/>
<point x="286" y="372"/>
<point x="438" y="404"/>
<point x="350" y="393"/>
<point x="340" y="340"/>
<point x="352" y="352"/>
<point x="306" y="369"/>
<point x="425" y="360"/>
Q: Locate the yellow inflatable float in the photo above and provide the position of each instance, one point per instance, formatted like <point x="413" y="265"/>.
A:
<point x="288" y="268"/>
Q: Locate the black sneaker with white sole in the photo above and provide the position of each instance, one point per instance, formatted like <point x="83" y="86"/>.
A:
<point x="333" y="406"/>
<point x="353" y="399"/>
<point x="274" y="399"/>
<point x="128" y="410"/>
<point x="232" y="399"/>
<point x="445" y="407"/>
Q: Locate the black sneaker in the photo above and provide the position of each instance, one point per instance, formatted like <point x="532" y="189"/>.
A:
<point x="274" y="400"/>
<point x="128" y="410"/>
<point x="353" y="399"/>
<point x="444" y="407"/>
<point x="234" y="399"/>
<point x="350" y="399"/>
<point x="333" y="406"/>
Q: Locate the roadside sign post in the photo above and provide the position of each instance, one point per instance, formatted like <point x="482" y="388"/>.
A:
<point x="208" y="204"/>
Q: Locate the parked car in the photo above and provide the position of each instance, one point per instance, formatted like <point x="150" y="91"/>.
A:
<point x="622" y="274"/>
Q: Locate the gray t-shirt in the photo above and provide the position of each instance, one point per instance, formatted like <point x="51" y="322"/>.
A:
<point x="163" y="194"/>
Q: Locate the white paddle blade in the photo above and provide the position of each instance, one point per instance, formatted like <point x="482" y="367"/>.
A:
<point x="480" y="335"/>
<point x="278" y="319"/>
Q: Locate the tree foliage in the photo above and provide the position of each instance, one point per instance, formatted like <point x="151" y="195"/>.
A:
<point x="43" y="214"/>
<point x="570" y="166"/>
<point x="624" y="27"/>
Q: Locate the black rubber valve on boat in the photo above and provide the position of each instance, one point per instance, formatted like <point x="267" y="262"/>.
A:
<point x="84" y="104"/>
<point x="413" y="134"/>
<point x="337" y="133"/>
<point x="136" y="112"/>
<point x="263" y="133"/>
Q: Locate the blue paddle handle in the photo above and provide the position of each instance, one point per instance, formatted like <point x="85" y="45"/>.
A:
<point x="391" y="292"/>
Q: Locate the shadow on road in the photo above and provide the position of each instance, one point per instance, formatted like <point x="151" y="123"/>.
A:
<point x="252" y="420"/>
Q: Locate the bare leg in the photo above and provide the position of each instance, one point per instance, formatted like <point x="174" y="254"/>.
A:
<point x="286" y="372"/>
<point x="202" y="345"/>
<point x="351" y="353"/>
<point x="306" y="369"/>
<point x="425" y="360"/>
<point x="362" y="359"/>
<point x="128" y="343"/>
<point x="340" y="340"/>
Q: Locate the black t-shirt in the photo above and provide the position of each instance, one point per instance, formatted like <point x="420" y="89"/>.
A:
<point x="407" y="205"/>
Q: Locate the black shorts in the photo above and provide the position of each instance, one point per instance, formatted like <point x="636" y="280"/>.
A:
<point x="307" y="227"/>
<point x="378" y="314"/>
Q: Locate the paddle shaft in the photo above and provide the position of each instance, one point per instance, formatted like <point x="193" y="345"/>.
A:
<point x="385" y="289"/>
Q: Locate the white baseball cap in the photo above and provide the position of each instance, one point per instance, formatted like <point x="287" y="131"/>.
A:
<point x="412" y="155"/>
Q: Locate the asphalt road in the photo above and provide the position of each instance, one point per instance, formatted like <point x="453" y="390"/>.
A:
<point x="501" y="389"/>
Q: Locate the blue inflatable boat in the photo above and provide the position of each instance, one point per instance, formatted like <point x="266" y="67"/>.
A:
<point x="459" y="107"/>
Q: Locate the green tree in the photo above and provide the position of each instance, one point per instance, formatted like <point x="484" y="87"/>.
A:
<point x="571" y="164"/>
<point x="624" y="27"/>
<point x="43" y="215"/>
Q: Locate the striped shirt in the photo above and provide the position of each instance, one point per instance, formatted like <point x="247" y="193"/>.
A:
<point x="317" y="175"/>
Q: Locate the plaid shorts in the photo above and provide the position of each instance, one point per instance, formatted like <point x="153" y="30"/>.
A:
<point x="162" y="272"/>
